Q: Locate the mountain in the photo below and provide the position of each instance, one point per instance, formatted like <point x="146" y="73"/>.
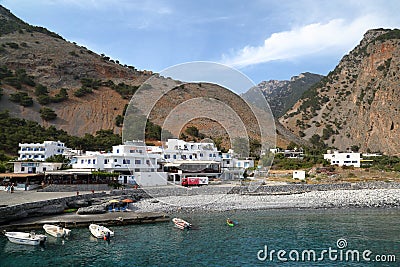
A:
<point x="54" y="82"/>
<point x="282" y="95"/>
<point x="358" y="103"/>
<point x="85" y="90"/>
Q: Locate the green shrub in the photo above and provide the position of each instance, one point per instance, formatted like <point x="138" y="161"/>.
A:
<point x="47" y="114"/>
<point x="83" y="91"/>
<point x="22" y="98"/>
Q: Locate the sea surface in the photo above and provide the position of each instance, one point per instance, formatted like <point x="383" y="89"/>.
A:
<point x="213" y="243"/>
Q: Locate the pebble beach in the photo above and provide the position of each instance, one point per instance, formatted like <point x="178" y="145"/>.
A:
<point x="362" y="198"/>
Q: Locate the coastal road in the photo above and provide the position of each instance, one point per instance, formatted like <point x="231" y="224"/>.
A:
<point x="19" y="196"/>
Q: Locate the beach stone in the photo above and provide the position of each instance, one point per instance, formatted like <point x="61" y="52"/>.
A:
<point x="78" y="204"/>
<point x="95" y="209"/>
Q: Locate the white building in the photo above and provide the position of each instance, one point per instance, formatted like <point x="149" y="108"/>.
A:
<point x="229" y="161"/>
<point x="40" y="151"/>
<point x="301" y="175"/>
<point x="343" y="158"/>
<point x="35" y="167"/>
<point x="130" y="159"/>
<point x="181" y="150"/>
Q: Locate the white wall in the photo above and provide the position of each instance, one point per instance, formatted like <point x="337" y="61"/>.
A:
<point x="301" y="175"/>
<point x="151" y="178"/>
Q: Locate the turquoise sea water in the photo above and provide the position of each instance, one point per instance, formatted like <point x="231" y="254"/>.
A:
<point x="213" y="243"/>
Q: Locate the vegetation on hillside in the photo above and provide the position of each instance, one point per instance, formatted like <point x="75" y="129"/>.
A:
<point x="15" y="131"/>
<point x="10" y="23"/>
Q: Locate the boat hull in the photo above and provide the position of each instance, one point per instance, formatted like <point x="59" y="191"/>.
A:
<point x="181" y="224"/>
<point x="56" y="231"/>
<point x="25" y="238"/>
<point x="99" y="231"/>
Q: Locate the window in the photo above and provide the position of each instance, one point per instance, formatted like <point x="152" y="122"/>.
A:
<point x="88" y="161"/>
<point x="201" y="155"/>
<point x="348" y="156"/>
<point x="117" y="151"/>
<point x="42" y="156"/>
<point x="94" y="161"/>
<point x="138" y="161"/>
<point x="137" y="170"/>
<point x="190" y="157"/>
<point x="210" y="155"/>
<point x="228" y="162"/>
<point x="148" y="162"/>
<point x="82" y="161"/>
<point x="105" y="161"/>
<point x="22" y="169"/>
<point x="44" y="169"/>
<point x="23" y="156"/>
<point x="174" y="156"/>
<point x="354" y="161"/>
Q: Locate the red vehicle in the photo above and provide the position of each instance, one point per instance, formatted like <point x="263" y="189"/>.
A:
<point x="192" y="181"/>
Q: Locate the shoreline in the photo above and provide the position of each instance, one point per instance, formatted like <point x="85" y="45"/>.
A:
<point x="170" y="200"/>
<point x="329" y="199"/>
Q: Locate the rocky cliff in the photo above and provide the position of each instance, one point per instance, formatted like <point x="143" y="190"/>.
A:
<point x="358" y="103"/>
<point x="282" y="95"/>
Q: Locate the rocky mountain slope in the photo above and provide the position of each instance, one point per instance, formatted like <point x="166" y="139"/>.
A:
<point x="282" y="95"/>
<point x="48" y="60"/>
<point x="358" y="103"/>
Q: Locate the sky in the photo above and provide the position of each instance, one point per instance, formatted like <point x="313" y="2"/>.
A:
<point x="263" y="39"/>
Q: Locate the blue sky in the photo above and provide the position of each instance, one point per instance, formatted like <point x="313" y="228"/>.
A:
<point x="263" y="39"/>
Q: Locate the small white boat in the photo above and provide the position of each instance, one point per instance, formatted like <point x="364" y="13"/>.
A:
<point x="25" y="238"/>
<point x="181" y="224"/>
<point x="100" y="231"/>
<point x="56" y="231"/>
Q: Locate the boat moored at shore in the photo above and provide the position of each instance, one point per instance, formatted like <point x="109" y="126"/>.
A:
<point x="56" y="231"/>
<point x="25" y="238"/>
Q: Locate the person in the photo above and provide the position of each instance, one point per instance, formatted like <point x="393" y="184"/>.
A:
<point x="12" y="188"/>
<point x="8" y="188"/>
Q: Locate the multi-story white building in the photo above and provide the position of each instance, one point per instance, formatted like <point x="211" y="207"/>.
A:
<point x="130" y="159"/>
<point x="229" y="161"/>
<point x="181" y="150"/>
<point x="40" y="151"/>
<point x="343" y="158"/>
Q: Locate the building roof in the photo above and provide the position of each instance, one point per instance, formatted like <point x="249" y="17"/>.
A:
<point x="178" y="163"/>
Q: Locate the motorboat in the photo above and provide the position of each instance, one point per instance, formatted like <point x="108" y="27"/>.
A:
<point x="56" y="231"/>
<point x="181" y="224"/>
<point x="26" y="238"/>
<point x="100" y="231"/>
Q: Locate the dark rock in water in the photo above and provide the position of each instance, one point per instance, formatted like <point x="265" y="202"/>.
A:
<point x="95" y="209"/>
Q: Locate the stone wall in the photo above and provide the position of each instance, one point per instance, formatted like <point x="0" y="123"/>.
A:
<point x="41" y="208"/>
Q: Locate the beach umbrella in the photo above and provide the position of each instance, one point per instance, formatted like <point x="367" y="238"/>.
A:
<point x="113" y="201"/>
<point x="128" y="200"/>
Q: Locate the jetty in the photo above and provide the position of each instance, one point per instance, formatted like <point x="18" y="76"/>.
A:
<point x="76" y="221"/>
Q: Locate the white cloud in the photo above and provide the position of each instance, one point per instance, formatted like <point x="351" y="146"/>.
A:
<point x="336" y="35"/>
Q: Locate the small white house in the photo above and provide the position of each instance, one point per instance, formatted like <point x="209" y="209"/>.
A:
<point x="343" y="158"/>
<point x="35" y="167"/>
<point x="301" y="175"/>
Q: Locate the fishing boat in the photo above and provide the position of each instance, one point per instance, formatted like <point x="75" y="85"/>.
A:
<point x="181" y="224"/>
<point x="100" y="231"/>
<point x="25" y="238"/>
<point x="56" y="231"/>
